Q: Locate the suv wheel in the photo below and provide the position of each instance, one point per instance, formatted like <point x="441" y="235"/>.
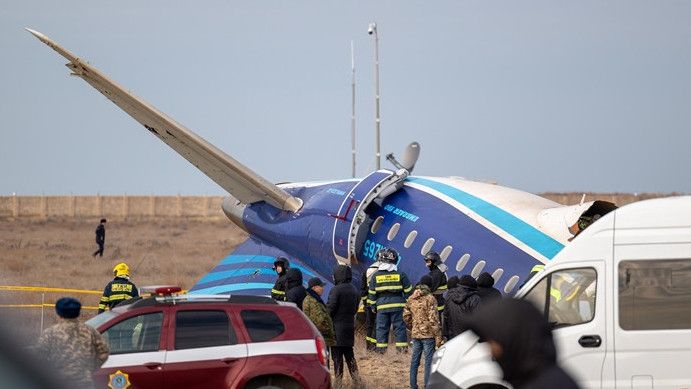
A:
<point x="273" y="382"/>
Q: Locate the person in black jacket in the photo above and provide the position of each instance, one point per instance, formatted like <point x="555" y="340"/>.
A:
<point x="521" y="342"/>
<point x="100" y="237"/>
<point x="485" y="287"/>
<point x="343" y="305"/>
<point x="439" y="282"/>
<point x="460" y="303"/>
<point x="278" y="292"/>
<point x="295" y="291"/>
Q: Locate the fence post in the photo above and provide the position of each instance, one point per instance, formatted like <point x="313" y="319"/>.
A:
<point x="15" y="205"/>
<point x="73" y="206"/>
<point x="179" y="205"/>
<point x="44" y="212"/>
<point x="43" y="300"/>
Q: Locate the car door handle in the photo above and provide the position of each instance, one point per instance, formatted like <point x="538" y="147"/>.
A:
<point x="590" y="341"/>
<point x="229" y="360"/>
<point x="153" y="365"/>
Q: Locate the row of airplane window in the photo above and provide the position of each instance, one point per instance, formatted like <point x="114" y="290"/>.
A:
<point x="444" y="254"/>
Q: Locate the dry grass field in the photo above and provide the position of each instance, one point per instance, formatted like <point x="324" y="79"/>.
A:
<point x="57" y="253"/>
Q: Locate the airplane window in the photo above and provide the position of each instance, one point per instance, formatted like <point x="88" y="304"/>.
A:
<point x="445" y="253"/>
<point x="462" y="262"/>
<point x="497" y="275"/>
<point x="377" y="224"/>
<point x="511" y="284"/>
<point x="427" y="246"/>
<point x="410" y="239"/>
<point x="393" y="231"/>
<point x="478" y="269"/>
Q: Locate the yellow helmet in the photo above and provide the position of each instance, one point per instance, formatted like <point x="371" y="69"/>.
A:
<point x="121" y="269"/>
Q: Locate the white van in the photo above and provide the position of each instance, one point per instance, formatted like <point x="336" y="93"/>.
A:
<point x="618" y="298"/>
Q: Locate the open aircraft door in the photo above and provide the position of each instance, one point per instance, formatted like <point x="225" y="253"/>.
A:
<point x="353" y="222"/>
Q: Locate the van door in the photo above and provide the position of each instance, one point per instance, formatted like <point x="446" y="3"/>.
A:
<point x="653" y="315"/>
<point x="573" y="299"/>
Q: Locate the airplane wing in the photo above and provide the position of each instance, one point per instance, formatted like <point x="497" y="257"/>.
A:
<point x="231" y="175"/>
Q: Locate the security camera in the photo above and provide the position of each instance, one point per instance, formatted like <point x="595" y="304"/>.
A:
<point x="372" y="27"/>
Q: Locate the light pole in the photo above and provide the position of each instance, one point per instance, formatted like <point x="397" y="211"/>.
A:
<point x="372" y="30"/>
<point x="352" y="117"/>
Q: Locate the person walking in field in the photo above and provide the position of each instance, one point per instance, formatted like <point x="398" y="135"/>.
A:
<point x="119" y="289"/>
<point x="72" y="349"/>
<point x="100" y="238"/>
<point x="421" y="316"/>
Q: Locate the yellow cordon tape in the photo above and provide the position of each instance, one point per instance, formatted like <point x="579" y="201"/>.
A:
<point x="49" y="290"/>
<point x="38" y="306"/>
<point x="44" y="290"/>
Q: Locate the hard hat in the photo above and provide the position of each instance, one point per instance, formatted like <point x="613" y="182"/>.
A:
<point x="433" y="257"/>
<point x="121" y="269"/>
<point x="387" y="255"/>
<point x="282" y="261"/>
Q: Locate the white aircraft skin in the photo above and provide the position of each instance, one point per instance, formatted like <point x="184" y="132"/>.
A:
<point x="474" y="226"/>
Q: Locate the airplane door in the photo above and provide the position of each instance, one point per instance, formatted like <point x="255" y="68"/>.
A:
<point x="352" y="222"/>
<point x="573" y="299"/>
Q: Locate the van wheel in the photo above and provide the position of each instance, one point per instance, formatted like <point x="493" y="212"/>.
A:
<point x="273" y="382"/>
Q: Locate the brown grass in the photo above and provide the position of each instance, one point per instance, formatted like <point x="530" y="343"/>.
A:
<point x="57" y="253"/>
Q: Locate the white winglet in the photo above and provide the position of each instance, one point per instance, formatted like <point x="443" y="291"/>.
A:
<point x="231" y="175"/>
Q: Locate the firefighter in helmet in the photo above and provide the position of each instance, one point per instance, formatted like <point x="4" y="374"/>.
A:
<point x="439" y="281"/>
<point x="388" y="290"/>
<point x="119" y="289"/>
<point x="281" y="266"/>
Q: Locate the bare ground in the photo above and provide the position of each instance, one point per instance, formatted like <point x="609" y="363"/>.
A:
<point x="57" y="253"/>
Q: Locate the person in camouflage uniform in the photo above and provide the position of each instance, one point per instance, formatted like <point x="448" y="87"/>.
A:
<point x="420" y="315"/>
<point x="71" y="348"/>
<point x="315" y="309"/>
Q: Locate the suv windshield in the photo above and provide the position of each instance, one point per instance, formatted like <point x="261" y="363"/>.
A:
<point x="101" y="318"/>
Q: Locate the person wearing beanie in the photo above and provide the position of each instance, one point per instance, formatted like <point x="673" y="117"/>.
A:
<point x="460" y="303"/>
<point x="485" y="287"/>
<point x="74" y="350"/>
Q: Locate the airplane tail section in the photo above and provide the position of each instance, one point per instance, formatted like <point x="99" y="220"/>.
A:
<point x="231" y="175"/>
<point x="249" y="270"/>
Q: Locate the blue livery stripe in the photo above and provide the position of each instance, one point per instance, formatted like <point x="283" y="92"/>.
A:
<point x="221" y="289"/>
<point x="238" y="272"/>
<point x="234" y="259"/>
<point x="514" y="226"/>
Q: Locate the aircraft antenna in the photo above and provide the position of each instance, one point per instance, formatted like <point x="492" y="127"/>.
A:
<point x="372" y="30"/>
<point x="352" y="117"/>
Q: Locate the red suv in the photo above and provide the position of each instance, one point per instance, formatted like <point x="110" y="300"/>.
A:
<point x="217" y="341"/>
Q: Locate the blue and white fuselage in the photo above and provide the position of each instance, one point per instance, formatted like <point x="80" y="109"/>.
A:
<point x="475" y="226"/>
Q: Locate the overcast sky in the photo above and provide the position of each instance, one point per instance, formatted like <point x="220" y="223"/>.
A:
<point x="536" y="95"/>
